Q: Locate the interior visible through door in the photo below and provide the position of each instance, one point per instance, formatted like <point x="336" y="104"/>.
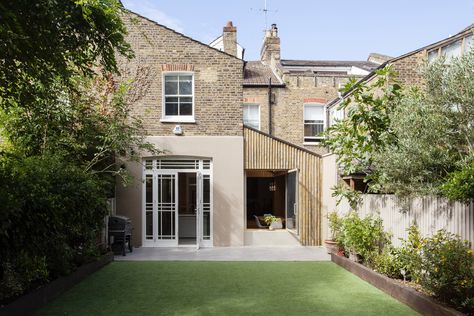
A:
<point x="187" y="209"/>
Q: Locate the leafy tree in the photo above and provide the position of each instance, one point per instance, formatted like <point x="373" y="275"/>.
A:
<point x="57" y="93"/>
<point x="412" y="143"/>
<point x="434" y="149"/>
<point x="43" y="42"/>
<point x="366" y="128"/>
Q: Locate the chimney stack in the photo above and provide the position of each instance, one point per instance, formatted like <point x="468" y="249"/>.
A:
<point x="270" y="52"/>
<point x="230" y="39"/>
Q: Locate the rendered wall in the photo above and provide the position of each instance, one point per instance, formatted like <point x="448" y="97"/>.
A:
<point x="226" y="153"/>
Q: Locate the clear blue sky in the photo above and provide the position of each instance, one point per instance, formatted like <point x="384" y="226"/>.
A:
<point x="316" y="29"/>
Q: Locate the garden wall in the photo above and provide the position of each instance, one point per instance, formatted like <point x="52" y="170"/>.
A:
<point x="430" y="214"/>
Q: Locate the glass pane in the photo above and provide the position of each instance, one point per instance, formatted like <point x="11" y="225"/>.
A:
<point x="186" y="109"/>
<point x="186" y="99"/>
<point x="172" y="99"/>
<point x="291" y="198"/>
<point x="251" y="115"/>
<point x="206" y="190"/>
<point x="149" y="189"/>
<point x="185" y="87"/>
<point x="313" y="129"/>
<point x="148" y="164"/>
<point x="468" y="43"/>
<point x="171" y="78"/>
<point x="206" y="232"/>
<point x="452" y="50"/>
<point x="432" y="55"/>
<point x="166" y="191"/>
<point x="149" y="225"/>
<point x="166" y="229"/>
<point x="252" y="123"/>
<point x="171" y="87"/>
<point x="171" y="109"/>
<point x="185" y="78"/>
<point x="314" y="112"/>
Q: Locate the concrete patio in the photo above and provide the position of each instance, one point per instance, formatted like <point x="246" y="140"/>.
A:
<point x="227" y="254"/>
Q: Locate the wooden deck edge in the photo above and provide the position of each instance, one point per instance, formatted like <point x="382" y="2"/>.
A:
<point x="30" y="303"/>
<point x="421" y="303"/>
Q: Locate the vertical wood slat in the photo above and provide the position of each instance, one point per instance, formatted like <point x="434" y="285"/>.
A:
<point x="266" y="152"/>
<point x="430" y="214"/>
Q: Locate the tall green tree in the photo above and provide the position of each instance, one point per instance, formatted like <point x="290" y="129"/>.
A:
<point x="413" y="141"/>
<point x="43" y="42"/>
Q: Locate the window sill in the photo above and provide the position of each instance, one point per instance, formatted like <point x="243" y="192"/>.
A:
<point x="312" y="143"/>
<point x="176" y="120"/>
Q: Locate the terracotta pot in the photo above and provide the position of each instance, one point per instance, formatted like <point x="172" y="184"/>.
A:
<point x="331" y="246"/>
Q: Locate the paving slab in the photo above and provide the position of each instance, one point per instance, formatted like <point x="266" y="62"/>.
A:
<point x="227" y="254"/>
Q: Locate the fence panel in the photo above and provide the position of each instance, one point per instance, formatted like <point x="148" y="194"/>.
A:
<point x="430" y="214"/>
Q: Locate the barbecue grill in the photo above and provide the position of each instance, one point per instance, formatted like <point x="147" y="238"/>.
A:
<point x="120" y="233"/>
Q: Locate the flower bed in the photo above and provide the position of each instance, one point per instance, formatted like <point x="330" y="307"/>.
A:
<point x="442" y="265"/>
<point x="420" y="302"/>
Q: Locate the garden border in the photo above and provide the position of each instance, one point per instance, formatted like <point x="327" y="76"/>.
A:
<point x="31" y="302"/>
<point x="421" y="303"/>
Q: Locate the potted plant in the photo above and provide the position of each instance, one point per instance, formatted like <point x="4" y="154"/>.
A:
<point x="273" y="222"/>
<point x="334" y="243"/>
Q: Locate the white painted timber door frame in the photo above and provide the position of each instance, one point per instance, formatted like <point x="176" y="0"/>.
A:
<point x="168" y="168"/>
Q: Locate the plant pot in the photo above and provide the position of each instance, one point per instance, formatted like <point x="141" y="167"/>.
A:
<point x="331" y="246"/>
<point x="276" y="225"/>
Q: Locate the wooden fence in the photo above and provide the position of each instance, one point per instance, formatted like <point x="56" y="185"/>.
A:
<point x="431" y="214"/>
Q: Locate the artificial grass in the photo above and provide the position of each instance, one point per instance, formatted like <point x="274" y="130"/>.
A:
<point x="224" y="288"/>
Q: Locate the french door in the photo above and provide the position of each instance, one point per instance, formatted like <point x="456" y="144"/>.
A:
<point x="161" y="221"/>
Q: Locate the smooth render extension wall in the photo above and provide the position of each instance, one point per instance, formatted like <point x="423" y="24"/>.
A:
<point x="226" y="153"/>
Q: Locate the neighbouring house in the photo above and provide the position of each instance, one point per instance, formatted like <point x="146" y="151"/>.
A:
<point x="408" y="66"/>
<point x="287" y="98"/>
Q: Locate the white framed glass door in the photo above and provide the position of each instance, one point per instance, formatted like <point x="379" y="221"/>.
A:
<point x="167" y="188"/>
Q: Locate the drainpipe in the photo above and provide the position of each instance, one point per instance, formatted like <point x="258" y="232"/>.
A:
<point x="270" y="106"/>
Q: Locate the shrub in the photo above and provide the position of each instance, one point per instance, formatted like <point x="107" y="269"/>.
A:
<point x="409" y="254"/>
<point x="446" y="269"/>
<point x="51" y="214"/>
<point x="365" y="236"/>
<point x="335" y="225"/>
<point x="389" y="263"/>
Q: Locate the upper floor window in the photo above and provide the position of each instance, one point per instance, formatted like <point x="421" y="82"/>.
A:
<point x="178" y="97"/>
<point x="314" y="122"/>
<point x="451" y="50"/>
<point x="252" y="115"/>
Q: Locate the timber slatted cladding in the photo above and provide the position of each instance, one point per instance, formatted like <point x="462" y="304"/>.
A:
<point x="265" y="152"/>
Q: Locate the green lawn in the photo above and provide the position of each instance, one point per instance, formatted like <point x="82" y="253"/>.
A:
<point x="224" y="288"/>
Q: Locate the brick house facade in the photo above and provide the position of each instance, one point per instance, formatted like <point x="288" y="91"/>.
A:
<point x="295" y="83"/>
<point x="189" y="97"/>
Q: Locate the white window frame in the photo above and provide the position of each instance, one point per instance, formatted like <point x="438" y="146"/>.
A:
<point x="177" y="118"/>
<point x="259" y="113"/>
<point x="316" y="139"/>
